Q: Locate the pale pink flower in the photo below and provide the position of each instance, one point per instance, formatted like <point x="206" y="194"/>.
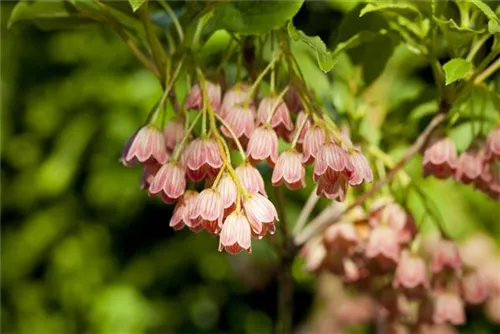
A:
<point x="411" y="275"/>
<point x="314" y="253"/>
<point x="241" y="120"/>
<point x="332" y="185"/>
<point x="492" y="309"/>
<point x="448" y="308"/>
<point x="399" y="219"/>
<point x="489" y="181"/>
<point x="361" y="170"/>
<point x="203" y="157"/>
<point x="259" y="211"/>
<point x="148" y="174"/>
<point x="440" y="158"/>
<point x="332" y="157"/>
<point x="445" y="256"/>
<point x="341" y="237"/>
<point x="280" y="121"/>
<point x="236" y="96"/>
<point x="173" y="133"/>
<point x="475" y="287"/>
<point x="228" y="191"/>
<point x="469" y="166"/>
<point x="314" y="139"/>
<point x="251" y="179"/>
<point x="169" y="182"/>
<point x="263" y="145"/>
<point x="145" y="146"/>
<point x="383" y="246"/>
<point x="493" y="144"/>
<point x="180" y="216"/>
<point x="194" y="99"/>
<point x="208" y="210"/>
<point x="301" y="117"/>
<point x="235" y="234"/>
<point x="289" y="169"/>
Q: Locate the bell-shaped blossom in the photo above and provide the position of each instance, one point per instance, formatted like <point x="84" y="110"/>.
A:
<point x="383" y="246"/>
<point x="280" y="120"/>
<point x="251" y="179"/>
<point x="173" y="133"/>
<point x="448" y="307"/>
<point x="341" y="237"/>
<point x="445" y="256"/>
<point x="194" y="99"/>
<point x="361" y="170"/>
<point x="228" y="191"/>
<point x="440" y="158"/>
<point x="289" y="169"/>
<point x="203" y="157"/>
<point x="263" y="145"/>
<point x="411" y="275"/>
<point x="208" y="210"/>
<point x="236" y="234"/>
<point x="493" y="144"/>
<point x="314" y="139"/>
<point x="332" y="157"/>
<point x="492" y="308"/>
<point x="398" y="218"/>
<point x="145" y="146"/>
<point x="169" y="182"/>
<point x="181" y="214"/>
<point x="332" y="185"/>
<point x="314" y="253"/>
<point x="148" y="174"/>
<point x="475" y="287"/>
<point x="469" y="166"/>
<point x="241" y="120"/>
<point x="259" y="211"/>
<point x="489" y="180"/>
<point x="303" y="127"/>
<point x="235" y="97"/>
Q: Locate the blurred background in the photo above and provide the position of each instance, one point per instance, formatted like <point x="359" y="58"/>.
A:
<point x="83" y="249"/>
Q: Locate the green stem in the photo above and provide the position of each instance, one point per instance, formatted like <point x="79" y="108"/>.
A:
<point x="154" y="43"/>
<point x="172" y="15"/>
<point x="185" y="138"/>
<point x="477" y="46"/>
<point x="487" y="72"/>
<point x="279" y="100"/>
<point x="259" y="79"/>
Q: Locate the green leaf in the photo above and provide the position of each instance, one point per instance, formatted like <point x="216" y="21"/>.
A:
<point x="255" y="16"/>
<point x="398" y="7"/>
<point x="136" y="4"/>
<point x="326" y="58"/>
<point x="47" y="14"/>
<point x="456" y="69"/>
<point x="458" y="38"/>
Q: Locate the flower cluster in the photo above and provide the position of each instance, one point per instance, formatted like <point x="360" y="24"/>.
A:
<point x="233" y="202"/>
<point x="478" y="165"/>
<point x="415" y="282"/>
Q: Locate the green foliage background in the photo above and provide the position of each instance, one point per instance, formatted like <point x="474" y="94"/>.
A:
<point x="84" y="250"/>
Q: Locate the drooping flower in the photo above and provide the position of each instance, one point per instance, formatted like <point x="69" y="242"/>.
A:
<point x="361" y="170"/>
<point x="469" y="166"/>
<point x="251" y="179"/>
<point x="203" y="158"/>
<point x="173" y="133"/>
<point x="383" y="246"/>
<point x="289" y="169"/>
<point x="341" y="237"/>
<point x="332" y="185"/>
<point x="241" y="120"/>
<point x="148" y="174"/>
<point x="181" y="214"/>
<point x="440" y="158"/>
<point x="194" y="99"/>
<point x="228" y="191"/>
<point x="236" y="96"/>
<point x="236" y="234"/>
<point x="448" y="308"/>
<point x="411" y="276"/>
<point x="475" y="287"/>
<point x="398" y="218"/>
<point x="280" y="121"/>
<point x="145" y="146"/>
<point x="314" y="139"/>
<point x="263" y="145"/>
<point x="446" y="256"/>
<point x="493" y="144"/>
<point x="208" y="210"/>
<point x="169" y="182"/>
<point x="332" y="157"/>
<point x="259" y="211"/>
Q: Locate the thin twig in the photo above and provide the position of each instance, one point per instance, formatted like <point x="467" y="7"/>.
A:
<point x="322" y="221"/>
<point x="306" y="211"/>
<point x="487" y="72"/>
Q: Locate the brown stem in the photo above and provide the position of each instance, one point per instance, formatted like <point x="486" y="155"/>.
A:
<point x="330" y="216"/>
<point x="285" y="296"/>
